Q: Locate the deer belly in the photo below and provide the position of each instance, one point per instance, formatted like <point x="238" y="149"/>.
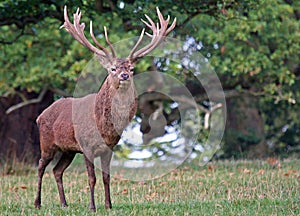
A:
<point x="64" y="137"/>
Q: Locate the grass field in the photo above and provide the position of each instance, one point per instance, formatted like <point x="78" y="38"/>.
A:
<point x="218" y="188"/>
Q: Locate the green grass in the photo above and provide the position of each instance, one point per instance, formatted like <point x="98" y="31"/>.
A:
<point x="219" y="188"/>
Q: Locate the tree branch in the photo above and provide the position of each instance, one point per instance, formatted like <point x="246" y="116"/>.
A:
<point x="60" y="92"/>
<point x="15" y="39"/>
<point x="21" y="22"/>
<point x="207" y="115"/>
<point x="190" y="17"/>
<point x="27" y="102"/>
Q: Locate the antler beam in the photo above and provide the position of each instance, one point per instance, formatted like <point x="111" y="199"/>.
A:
<point x="77" y="31"/>
<point x="160" y="31"/>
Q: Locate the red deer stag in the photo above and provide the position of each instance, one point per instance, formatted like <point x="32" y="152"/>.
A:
<point x="68" y="125"/>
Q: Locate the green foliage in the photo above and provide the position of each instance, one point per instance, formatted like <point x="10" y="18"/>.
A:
<point x="38" y="60"/>
<point x="282" y="136"/>
<point x="257" y="49"/>
<point x="255" y="44"/>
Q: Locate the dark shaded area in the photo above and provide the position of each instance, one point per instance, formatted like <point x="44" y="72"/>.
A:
<point x="244" y="129"/>
<point x="18" y="130"/>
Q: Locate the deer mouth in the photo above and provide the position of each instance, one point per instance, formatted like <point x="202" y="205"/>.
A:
<point x="124" y="84"/>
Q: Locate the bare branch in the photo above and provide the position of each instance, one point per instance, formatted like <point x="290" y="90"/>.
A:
<point x="21" y="22"/>
<point x="190" y="102"/>
<point x="13" y="40"/>
<point x="60" y="92"/>
<point x="187" y="101"/>
<point x="207" y="115"/>
<point x="27" y="102"/>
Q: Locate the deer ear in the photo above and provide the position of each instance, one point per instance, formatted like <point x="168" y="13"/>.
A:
<point x="104" y="62"/>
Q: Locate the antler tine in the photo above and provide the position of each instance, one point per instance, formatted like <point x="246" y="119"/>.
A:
<point x="150" y="20"/>
<point x="68" y="26"/>
<point x="160" y="16"/>
<point x="77" y="31"/>
<point x="137" y="44"/>
<point x="160" y="30"/>
<point x="95" y="40"/>
<point x="109" y="43"/>
<point x="171" y="27"/>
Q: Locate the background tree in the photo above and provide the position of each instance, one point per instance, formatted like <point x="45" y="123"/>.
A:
<point x="252" y="45"/>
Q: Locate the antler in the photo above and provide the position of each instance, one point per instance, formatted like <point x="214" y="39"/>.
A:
<point x="160" y="31"/>
<point x="77" y="31"/>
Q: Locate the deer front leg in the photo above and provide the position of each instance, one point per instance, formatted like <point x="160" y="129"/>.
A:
<point x="92" y="180"/>
<point x="105" y="164"/>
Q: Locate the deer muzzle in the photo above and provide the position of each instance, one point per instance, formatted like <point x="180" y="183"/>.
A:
<point x="125" y="76"/>
<point x="124" y="81"/>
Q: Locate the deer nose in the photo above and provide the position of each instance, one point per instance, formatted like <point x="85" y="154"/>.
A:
<point x="125" y="76"/>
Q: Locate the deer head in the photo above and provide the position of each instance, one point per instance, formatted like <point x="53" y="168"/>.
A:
<point x="120" y="69"/>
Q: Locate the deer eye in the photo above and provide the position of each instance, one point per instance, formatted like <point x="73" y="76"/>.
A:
<point x="113" y="69"/>
<point x="131" y="69"/>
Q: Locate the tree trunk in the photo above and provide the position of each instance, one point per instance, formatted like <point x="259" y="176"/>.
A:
<point x="19" y="136"/>
<point x="244" y="135"/>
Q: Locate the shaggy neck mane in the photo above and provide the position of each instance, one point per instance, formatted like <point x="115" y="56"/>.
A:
<point x="113" y="110"/>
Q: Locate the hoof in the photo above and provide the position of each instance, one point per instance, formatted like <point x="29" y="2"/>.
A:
<point x="64" y="205"/>
<point x="92" y="207"/>
<point x="108" y="207"/>
<point x="37" y="206"/>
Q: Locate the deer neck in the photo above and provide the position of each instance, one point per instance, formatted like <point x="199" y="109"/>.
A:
<point x="111" y="96"/>
<point x="114" y="107"/>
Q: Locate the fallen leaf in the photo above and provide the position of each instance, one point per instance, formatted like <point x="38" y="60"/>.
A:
<point x="211" y="168"/>
<point x="261" y="196"/>
<point x="225" y="183"/>
<point x="142" y="183"/>
<point x="274" y="162"/>
<point x="246" y="171"/>
<point x="294" y="207"/>
<point x="185" y="168"/>
<point x="72" y="183"/>
<point x="223" y="48"/>
<point x="260" y="172"/>
<point x="218" y="205"/>
<point x="228" y="191"/>
<point x="149" y="197"/>
<point x="154" y="194"/>
<point x="163" y="183"/>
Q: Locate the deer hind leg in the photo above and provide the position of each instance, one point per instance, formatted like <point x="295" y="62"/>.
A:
<point x="105" y="164"/>
<point x="92" y="180"/>
<point x="43" y="162"/>
<point x="58" y="170"/>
